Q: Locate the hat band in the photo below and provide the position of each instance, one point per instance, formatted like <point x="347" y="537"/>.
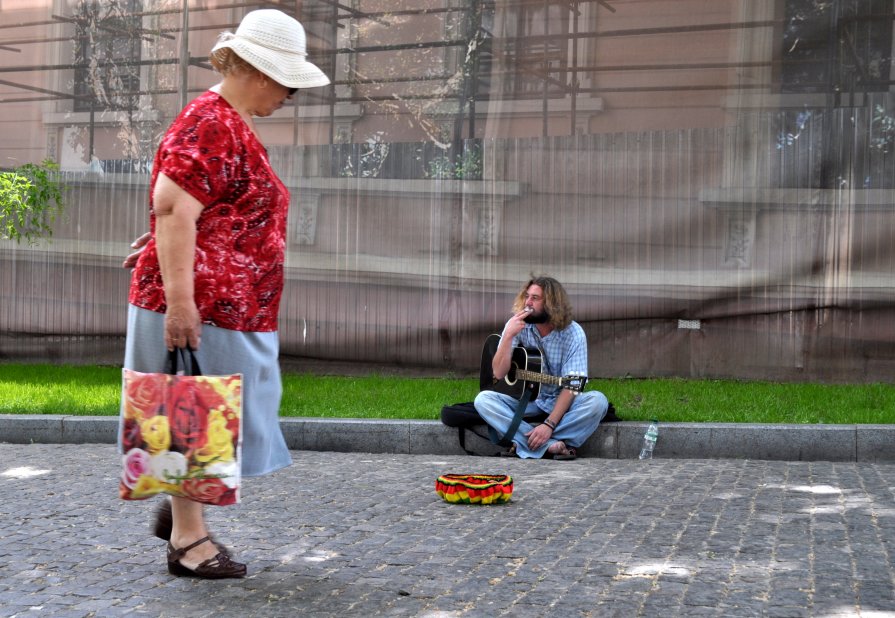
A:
<point x="281" y="50"/>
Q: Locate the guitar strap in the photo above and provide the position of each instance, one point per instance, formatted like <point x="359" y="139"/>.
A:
<point x="507" y="440"/>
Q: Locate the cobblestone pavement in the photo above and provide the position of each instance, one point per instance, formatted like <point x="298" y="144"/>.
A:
<point x="365" y="535"/>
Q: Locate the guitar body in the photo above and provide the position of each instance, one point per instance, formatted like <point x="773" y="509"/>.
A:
<point x="524" y="359"/>
<point x="524" y="374"/>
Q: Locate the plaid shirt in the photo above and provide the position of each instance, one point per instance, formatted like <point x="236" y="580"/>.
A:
<point x="563" y="353"/>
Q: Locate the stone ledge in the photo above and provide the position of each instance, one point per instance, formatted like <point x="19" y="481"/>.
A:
<point x="612" y="441"/>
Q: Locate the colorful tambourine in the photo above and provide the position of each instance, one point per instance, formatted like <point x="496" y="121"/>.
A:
<point x="475" y="488"/>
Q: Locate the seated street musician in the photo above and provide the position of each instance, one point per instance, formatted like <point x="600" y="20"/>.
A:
<point x="542" y="324"/>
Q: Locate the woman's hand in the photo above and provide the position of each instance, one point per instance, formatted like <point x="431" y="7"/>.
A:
<point x="183" y="326"/>
<point x="138" y="245"/>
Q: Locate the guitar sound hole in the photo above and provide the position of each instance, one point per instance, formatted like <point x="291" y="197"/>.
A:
<point x="511" y="375"/>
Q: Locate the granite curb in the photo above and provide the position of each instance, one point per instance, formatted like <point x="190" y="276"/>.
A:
<point x="619" y="440"/>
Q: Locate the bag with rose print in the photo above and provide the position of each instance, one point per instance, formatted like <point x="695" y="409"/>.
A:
<point x="181" y="433"/>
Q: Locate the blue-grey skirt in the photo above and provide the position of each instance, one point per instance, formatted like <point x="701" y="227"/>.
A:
<point x="225" y="352"/>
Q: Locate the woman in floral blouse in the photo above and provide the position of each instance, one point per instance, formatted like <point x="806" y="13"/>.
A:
<point x="211" y="275"/>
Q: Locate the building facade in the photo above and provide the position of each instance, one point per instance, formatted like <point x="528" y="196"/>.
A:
<point x="711" y="179"/>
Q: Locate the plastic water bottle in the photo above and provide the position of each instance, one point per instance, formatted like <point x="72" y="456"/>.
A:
<point x="649" y="440"/>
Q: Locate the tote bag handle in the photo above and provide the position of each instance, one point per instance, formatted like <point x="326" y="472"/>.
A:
<point x="182" y="361"/>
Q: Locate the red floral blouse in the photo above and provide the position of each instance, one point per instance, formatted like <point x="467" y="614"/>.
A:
<point x="211" y="153"/>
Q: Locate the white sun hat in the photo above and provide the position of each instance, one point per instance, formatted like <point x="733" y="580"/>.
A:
<point x="275" y="44"/>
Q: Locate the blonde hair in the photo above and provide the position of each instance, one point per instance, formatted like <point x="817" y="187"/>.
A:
<point x="226" y="62"/>
<point x="556" y="301"/>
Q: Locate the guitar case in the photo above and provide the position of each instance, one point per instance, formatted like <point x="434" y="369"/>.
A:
<point x="464" y="417"/>
<point x="461" y="415"/>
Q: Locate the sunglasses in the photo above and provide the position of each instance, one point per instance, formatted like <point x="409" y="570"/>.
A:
<point x="292" y="91"/>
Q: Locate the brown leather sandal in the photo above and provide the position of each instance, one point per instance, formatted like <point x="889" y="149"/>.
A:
<point x="164" y="523"/>
<point x="566" y="453"/>
<point x="510" y="452"/>
<point x="219" y="567"/>
<point x="569" y="455"/>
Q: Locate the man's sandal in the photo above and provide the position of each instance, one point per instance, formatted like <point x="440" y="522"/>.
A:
<point x="569" y="455"/>
<point x="510" y="452"/>
<point x="565" y="453"/>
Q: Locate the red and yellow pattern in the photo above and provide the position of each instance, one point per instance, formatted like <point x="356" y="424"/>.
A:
<point x="181" y="436"/>
<point x="475" y="488"/>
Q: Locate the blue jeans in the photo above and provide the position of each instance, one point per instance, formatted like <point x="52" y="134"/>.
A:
<point x="576" y="426"/>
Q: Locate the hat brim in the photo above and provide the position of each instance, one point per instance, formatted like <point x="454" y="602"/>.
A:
<point x="288" y="69"/>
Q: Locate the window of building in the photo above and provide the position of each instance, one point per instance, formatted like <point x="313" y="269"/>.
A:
<point x="525" y="50"/>
<point x="107" y="50"/>
<point x="836" y="46"/>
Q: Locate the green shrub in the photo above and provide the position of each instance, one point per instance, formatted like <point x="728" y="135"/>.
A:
<point x="30" y="201"/>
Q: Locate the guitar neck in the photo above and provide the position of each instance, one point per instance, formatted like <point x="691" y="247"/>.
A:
<point x="541" y="378"/>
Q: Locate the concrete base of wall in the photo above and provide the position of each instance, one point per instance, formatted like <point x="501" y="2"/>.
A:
<point x="611" y="441"/>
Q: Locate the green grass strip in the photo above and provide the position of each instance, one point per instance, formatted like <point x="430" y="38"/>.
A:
<point x="95" y="391"/>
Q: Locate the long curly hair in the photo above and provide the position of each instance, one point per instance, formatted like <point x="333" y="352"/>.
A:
<point x="556" y="301"/>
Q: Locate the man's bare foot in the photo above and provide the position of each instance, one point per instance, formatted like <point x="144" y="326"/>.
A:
<point x="558" y="448"/>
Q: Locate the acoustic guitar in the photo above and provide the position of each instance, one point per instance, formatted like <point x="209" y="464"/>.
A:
<point x="525" y="373"/>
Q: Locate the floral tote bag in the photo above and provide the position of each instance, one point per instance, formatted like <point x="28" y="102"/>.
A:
<point x="181" y="434"/>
